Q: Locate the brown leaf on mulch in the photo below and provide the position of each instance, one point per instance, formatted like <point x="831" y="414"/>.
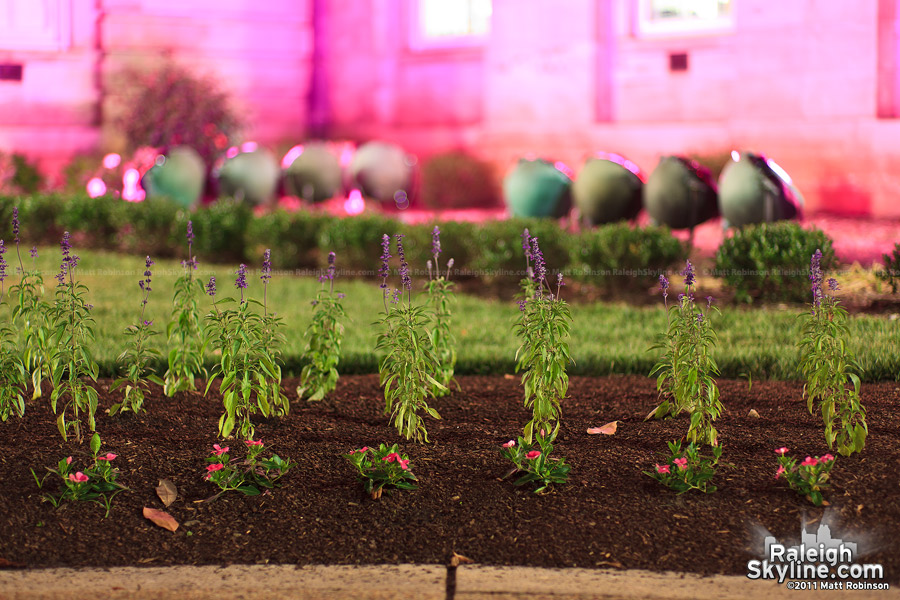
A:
<point x="161" y="518"/>
<point x="608" y="429"/>
<point x="166" y="491"/>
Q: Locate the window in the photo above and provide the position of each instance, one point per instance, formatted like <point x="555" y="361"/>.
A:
<point x="666" y="17"/>
<point x="449" y="23"/>
<point x="34" y="24"/>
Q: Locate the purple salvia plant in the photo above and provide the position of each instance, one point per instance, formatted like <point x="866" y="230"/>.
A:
<point x="145" y="286"/>
<point x="191" y="262"/>
<point x="65" y="265"/>
<point x="526" y="246"/>
<point x="211" y="286"/>
<point x="265" y="276"/>
<point x="664" y="287"/>
<point x="833" y="284"/>
<point x="3" y="266"/>
<point x="15" y="224"/>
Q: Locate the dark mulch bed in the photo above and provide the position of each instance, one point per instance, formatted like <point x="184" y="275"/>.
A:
<point x="609" y="515"/>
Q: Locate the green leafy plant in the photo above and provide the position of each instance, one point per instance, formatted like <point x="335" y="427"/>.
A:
<point x="440" y="297"/>
<point x="382" y="468"/>
<point x="543" y="328"/>
<point x="96" y="483"/>
<point x="251" y="476"/>
<point x="768" y="261"/>
<point x="534" y="463"/>
<point x="808" y="478"/>
<point x="12" y="369"/>
<point x="685" y="374"/>
<point x="137" y="356"/>
<point x="71" y="361"/>
<point x="686" y="469"/>
<point x="890" y="274"/>
<point x="187" y="340"/>
<point x="323" y="340"/>
<point x="830" y="368"/>
<point x="251" y="379"/>
<point x="29" y="317"/>
<point x="408" y="360"/>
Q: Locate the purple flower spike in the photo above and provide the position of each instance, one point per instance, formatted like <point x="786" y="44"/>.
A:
<point x="404" y="266"/>
<point x="709" y="301"/>
<point x="330" y="273"/>
<point x="267" y="266"/>
<point x="3" y="264"/>
<point x="664" y="285"/>
<point x="688" y="274"/>
<point x="211" y="286"/>
<point x="815" y="276"/>
<point x="559" y="280"/>
<point x="435" y="243"/>
<point x="385" y="269"/>
<point x="241" y="281"/>
<point x="190" y="232"/>
<point x="33" y="252"/>
<point x="395" y="296"/>
<point x="341" y="295"/>
<point x="15" y="224"/>
<point x="833" y="284"/>
<point x="148" y="323"/>
<point x="450" y="264"/>
<point x="540" y="269"/>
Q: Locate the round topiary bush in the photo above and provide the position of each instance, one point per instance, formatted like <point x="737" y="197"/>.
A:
<point x="770" y="261"/>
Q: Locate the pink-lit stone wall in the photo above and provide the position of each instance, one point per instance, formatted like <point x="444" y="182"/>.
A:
<point x="799" y="81"/>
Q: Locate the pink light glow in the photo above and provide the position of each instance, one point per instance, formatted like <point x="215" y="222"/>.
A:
<point x="292" y="155"/>
<point x="354" y="203"/>
<point x="131" y="188"/>
<point x="346" y="155"/>
<point x="622" y="161"/>
<point x="249" y="147"/>
<point x="96" y="187"/>
<point x="564" y="169"/>
<point x="232" y="152"/>
<point x="111" y="160"/>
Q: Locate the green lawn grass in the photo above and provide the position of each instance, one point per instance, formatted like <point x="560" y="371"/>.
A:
<point x="606" y="338"/>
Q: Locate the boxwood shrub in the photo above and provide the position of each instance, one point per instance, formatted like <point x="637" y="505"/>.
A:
<point x="770" y="261"/>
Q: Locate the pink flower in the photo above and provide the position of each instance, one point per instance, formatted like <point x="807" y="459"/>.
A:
<point x="219" y="450"/>
<point x="533" y="454"/>
<point x="662" y="468"/>
<point x="509" y="444"/>
<point x="681" y="462"/>
<point x="827" y="458"/>
<point x="782" y="451"/>
<point x="392" y="457"/>
<point x="253" y="442"/>
<point x="215" y="467"/>
<point x="809" y="462"/>
<point x="404" y="464"/>
<point x="69" y="461"/>
<point x="109" y="456"/>
<point x="779" y="472"/>
<point x="364" y="449"/>
<point x="353" y="452"/>
<point x="78" y="477"/>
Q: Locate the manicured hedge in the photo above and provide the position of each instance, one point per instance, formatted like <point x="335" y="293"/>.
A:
<point x="228" y="232"/>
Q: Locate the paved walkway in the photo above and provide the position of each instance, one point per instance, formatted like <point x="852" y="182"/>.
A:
<point x="394" y="582"/>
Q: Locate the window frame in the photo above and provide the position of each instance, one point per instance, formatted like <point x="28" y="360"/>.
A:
<point x="679" y="27"/>
<point x="55" y="38"/>
<point x="417" y="41"/>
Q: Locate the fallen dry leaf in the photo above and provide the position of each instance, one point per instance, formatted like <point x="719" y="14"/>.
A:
<point x="608" y="429"/>
<point x="459" y="559"/>
<point x="166" y="491"/>
<point x="753" y="414"/>
<point x="508" y="376"/>
<point x="161" y="518"/>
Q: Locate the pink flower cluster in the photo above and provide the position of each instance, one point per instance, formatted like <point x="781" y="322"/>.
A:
<point x="219" y="450"/>
<point x="533" y="454"/>
<point x="681" y="463"/>
<point x="393" y="456"/>
<point x="78" y="477"/>
<point x="212" y="468"/>
<point x="109" y="456"/>
<point x="253" y="442"/>
<point x="361" y="450"/>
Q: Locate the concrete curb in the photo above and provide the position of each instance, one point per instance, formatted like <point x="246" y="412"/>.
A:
<point x="382" y="582"/>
